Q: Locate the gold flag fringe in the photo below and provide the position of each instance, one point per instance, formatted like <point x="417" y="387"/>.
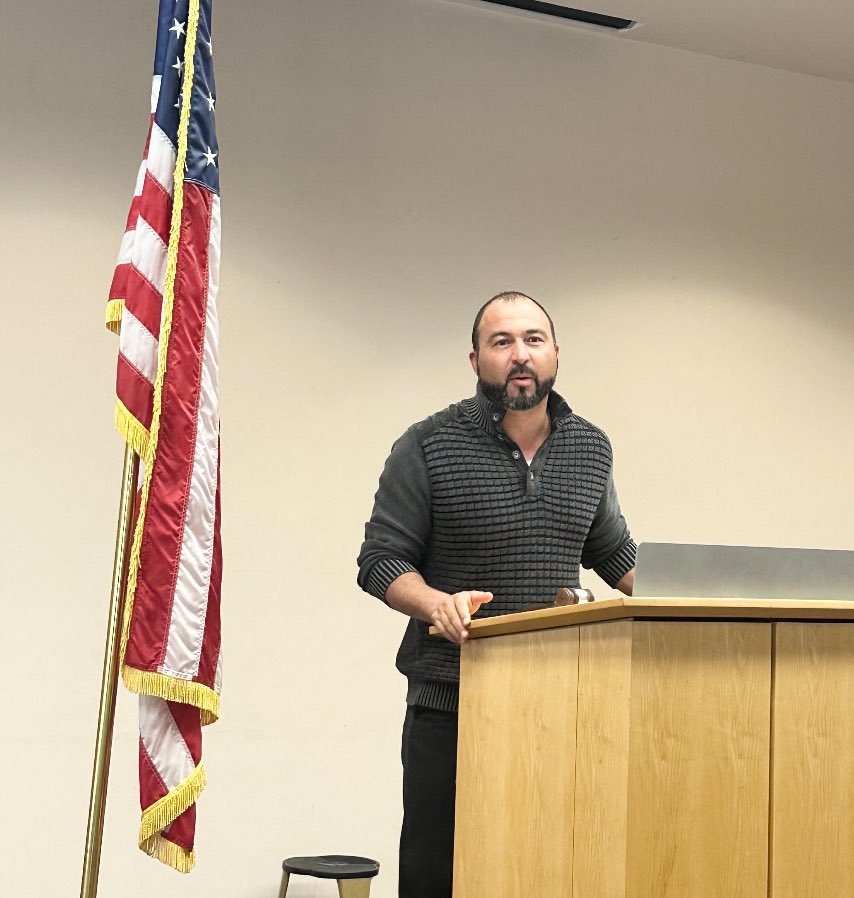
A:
<point x="159" y="815"/>
<point x="131" y="429"/>
<point x="163" y="812"/>
<point x="173" y="689"/>
<point x="169" y="853"/>
<point x="113" y="318"/>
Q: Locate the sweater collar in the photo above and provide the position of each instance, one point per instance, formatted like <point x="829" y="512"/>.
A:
<point x="489" y="415"/>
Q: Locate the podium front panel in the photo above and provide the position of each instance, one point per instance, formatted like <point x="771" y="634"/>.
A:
<point x="516" y="766"/>
<point x="812" y="805"/>
<point x="699" y="760"/>
<point x="602" y="770"/>
<point x="623" y="759"/>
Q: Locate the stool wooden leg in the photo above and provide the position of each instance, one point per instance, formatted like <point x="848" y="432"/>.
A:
<point x="283" y="888"/>
<point x="354" y="888"/>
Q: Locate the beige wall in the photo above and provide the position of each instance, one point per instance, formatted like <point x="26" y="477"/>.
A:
<point x="387" y="165"/>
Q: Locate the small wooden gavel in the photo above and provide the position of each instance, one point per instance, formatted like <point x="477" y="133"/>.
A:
<point x="570" y="595"/>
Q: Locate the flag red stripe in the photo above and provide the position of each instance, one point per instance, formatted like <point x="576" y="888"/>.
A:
<point x="151" y="785"/>
<point x="140" y="297"/>
<point x="133" y="214"/>
<point x="182" y="830"/>
<point x="148" y="136"/>
<point x="187" y="720"/>
<point x="152" y="788"/>
<point x="134" y="203"/>
<point x="156" y="206"/>
<point x="143" y="301"/>
<point x="119" y="286"/>
<point x="134" y="391"/>
<point x="170" y="479"/>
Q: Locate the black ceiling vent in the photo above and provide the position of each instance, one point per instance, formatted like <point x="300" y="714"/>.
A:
<point x="565" y="12"/>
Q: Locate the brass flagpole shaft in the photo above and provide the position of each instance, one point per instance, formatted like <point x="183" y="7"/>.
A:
<point x="109" y="681"/>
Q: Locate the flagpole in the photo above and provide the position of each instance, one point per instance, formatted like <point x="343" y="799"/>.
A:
<point x="109" y="680"/>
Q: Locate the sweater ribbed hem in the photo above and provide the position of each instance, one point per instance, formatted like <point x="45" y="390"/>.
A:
<point x="385" y="572"/>
<point x="433" y="694"/>
<point x="619" y="564"/>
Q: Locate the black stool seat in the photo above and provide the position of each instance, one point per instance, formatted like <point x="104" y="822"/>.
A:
<point x="332" y="866"/>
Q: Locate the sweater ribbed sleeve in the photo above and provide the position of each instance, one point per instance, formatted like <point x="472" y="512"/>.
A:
<point x="397" y="534"/>
<point x="619" y="564"/>
<point x="609" y="548"/>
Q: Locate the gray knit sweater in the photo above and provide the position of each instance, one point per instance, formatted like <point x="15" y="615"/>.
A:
<point x="458" y="503"/>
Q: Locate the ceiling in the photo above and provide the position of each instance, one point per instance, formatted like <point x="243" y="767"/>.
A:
<point x="810" y="37"/>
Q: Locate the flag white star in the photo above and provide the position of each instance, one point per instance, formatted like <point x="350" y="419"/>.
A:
<point x="210" y="47"/>
<point x="210" y="101"/>
<point x="178" y="65"/>
<point x="178" y="28"/>
<point x="210" y="157"/>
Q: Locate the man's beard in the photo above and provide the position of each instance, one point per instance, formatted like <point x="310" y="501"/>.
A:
<point x="524" y="401"/>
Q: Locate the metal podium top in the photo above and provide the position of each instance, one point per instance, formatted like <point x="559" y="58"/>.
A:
<point x="758" y="572"/>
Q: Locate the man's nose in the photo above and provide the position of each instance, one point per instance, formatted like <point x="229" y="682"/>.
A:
<point x="521" y="353"/>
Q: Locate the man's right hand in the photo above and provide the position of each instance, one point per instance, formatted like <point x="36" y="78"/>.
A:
<point x="453" y="613"/>
<point x="449" y="614"/>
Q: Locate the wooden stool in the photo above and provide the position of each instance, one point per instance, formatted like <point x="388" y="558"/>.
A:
<point x="354" y="874"/>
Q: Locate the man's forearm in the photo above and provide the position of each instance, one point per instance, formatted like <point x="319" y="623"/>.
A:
<point x="450" y="614"/>
<point x="626" y="583"/>
<point x="410" y="595"/>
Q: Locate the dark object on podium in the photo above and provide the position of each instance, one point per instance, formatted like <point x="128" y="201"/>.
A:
<point x="570" y="595"/>
<point x="353" y="873"/>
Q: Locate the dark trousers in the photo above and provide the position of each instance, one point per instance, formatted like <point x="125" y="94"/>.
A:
<point x="429" y="755"/>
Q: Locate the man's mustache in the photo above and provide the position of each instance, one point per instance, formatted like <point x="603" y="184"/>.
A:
<point x="520" y="369"/>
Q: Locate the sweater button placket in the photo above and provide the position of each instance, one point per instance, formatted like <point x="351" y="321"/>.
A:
<point x="531" y="484"/>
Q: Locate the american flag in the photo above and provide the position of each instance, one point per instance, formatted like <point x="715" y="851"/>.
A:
<point x="163" y="304"/>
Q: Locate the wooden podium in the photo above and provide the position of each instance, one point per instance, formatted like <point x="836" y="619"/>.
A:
<point x="658" y="748"/>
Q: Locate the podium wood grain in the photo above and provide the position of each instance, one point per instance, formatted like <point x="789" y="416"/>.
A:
<point x="623" y="759"/>
<point x="658" y="748"/>
<point x="601" y="790"/>
<point x="698" y="760"/>
<point x="812" y="846"/>
<point x="671" y="793"/>
<point x="516" y="766"/>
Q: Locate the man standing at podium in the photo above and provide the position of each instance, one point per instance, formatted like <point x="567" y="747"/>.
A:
<point x="491" y="505"/>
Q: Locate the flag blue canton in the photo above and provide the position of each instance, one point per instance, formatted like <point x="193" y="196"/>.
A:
<point x="202" y="146"/>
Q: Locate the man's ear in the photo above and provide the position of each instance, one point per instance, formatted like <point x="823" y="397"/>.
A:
<point x="473" y="360"/>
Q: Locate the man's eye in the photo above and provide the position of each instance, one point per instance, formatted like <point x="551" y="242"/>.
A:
<point x="535" y="339"/>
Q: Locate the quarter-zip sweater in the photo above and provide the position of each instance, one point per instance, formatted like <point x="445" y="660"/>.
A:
<point x="458" y="503"/>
